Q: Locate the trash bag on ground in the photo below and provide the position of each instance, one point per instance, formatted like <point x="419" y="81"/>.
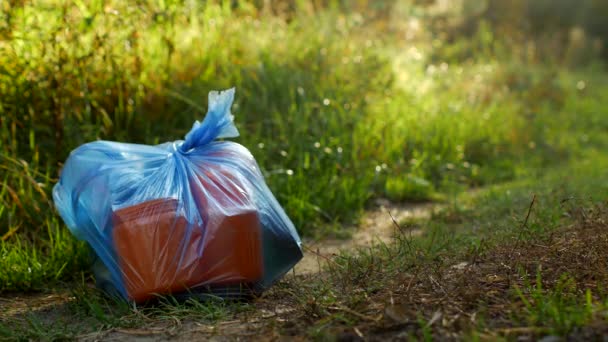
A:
<point x="188" y="216"/>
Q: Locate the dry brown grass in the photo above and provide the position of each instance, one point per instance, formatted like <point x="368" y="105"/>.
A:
<point x="459" y="296"/>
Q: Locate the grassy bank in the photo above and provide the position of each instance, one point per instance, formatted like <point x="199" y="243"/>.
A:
<point x="335" y="104"/>
<point x="521" y="259"/>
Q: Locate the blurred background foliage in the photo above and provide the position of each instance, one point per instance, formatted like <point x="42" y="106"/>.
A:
<point x="339" y="101"/>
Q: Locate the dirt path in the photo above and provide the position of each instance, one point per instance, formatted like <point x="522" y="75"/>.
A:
<point x="376" y="227"/>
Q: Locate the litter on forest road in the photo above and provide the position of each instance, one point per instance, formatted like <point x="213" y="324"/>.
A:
<point x="183" y="217"/>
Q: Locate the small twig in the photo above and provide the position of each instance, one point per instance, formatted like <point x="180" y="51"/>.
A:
<point x="355" y="313"/>
<point x="567" y="199"/>
<point x="409" y="284"/>
<point x="140" y="332"/>
<point x="358" y="332"/>
<point x="525" y="223"/>
<point x="321" y="255"/>
<point x="529" y="212"/>
<point x="318" y="261"/>
<point x="400" y="230"/>
<point x="436" y="316"/>
<point x="519" y="330"/>
<point x="438" y="285"/>
<point x="10" y="233"/>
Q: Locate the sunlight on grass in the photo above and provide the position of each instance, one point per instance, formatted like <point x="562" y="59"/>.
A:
<point x="561" y="308"/>
<point x="341" y="103"/>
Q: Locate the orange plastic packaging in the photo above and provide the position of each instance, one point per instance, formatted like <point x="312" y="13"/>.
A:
<point x="233" y="245"/>
<point x="159" y="252"/>
<point x="149" y="241"/>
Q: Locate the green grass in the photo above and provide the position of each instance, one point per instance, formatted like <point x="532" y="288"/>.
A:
<point x="475" y="228"/>
<point x="561" y="309"/>
<point x="479" y="228"/>
<point x="326" y="96"/>
<point x="337" y="109"/>
<point x="88" y="312"/>
<point x="34" y="266"/>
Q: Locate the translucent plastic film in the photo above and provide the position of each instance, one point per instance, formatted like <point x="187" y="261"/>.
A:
<point x="180" y="216"/>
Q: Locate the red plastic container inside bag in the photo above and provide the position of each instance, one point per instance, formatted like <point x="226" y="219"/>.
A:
<point x="178" y="215"/>
<point x="159" y="252"/>
<point x="232" y="251"/>
<point x="157" y="249"/>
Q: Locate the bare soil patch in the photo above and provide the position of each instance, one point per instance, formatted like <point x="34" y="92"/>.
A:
<point x="376" y="226"/>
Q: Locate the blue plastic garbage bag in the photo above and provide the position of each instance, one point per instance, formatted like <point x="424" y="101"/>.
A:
<point x="180" y="216"/>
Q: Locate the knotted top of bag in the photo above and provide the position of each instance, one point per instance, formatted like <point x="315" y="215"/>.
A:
<point x="218" y="123"/>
